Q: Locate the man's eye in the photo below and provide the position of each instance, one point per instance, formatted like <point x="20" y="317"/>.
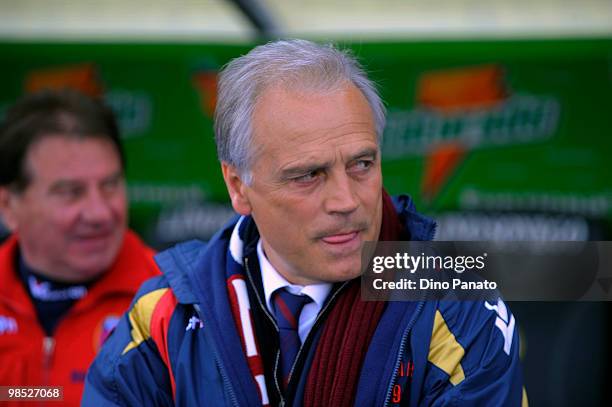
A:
<point x="70" y="192"/>
<point x="306" y="178"/>
<point x="111" y="185"/>
<point x="362" y="165"/>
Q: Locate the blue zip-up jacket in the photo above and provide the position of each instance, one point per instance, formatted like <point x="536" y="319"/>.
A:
<point x="178" y="344"/>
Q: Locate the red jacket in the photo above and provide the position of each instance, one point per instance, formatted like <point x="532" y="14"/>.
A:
<point x="28" y="357"/>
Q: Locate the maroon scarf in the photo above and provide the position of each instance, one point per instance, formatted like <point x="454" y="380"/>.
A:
<point x="348" y="330"/>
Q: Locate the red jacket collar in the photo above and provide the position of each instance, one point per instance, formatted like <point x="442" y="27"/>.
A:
<point x="133" y="265"/>
<point x="11" y="290"/>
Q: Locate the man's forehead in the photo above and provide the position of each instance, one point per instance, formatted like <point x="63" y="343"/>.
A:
<point x="284" y="94"/>
<point x="54" y="157"/>
<point x="294" y="120"/>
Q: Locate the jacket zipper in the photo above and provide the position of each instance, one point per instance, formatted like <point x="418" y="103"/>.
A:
<point x="314" y="325"/>
<point x="273" y="321"/>
<point x="48" y="348"/>
<point x="227" y="383"/>
<point x="401" y="351"/>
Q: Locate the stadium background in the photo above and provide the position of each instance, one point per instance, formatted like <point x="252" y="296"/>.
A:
<point x="499" y="129"/>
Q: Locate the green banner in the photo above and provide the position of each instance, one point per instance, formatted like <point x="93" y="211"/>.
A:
<point x="478" y="126"/>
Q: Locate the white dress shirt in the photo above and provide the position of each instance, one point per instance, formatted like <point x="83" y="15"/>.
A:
<point x="272" y="281"/>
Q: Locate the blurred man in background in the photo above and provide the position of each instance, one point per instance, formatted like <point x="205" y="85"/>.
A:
<point x="71" y="266"/>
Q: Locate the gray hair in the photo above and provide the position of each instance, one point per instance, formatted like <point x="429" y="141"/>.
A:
<point x="291" y="63"/>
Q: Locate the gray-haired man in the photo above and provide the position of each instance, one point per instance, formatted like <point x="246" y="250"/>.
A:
<point x="269" y="312"/>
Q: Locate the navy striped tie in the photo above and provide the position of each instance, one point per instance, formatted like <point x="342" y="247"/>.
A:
<point x="287" y="309"/>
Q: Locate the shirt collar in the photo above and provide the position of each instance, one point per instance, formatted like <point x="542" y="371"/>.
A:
<point x="272" y="281"/>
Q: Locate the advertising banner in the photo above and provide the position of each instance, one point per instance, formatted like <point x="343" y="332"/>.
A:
<point x="473" y="127"/>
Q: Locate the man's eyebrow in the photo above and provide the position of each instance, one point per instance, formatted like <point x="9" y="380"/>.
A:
<point x="301" y="169"/>
<point x="69" y="182"/>
<point x="113" y="177"/>
<point x="368" y="152"/>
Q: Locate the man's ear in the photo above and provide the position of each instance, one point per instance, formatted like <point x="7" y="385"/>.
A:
<point x="236" y="189"/>
<point x="7" y="211"/>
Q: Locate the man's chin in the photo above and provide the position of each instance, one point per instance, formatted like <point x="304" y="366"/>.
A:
<point x="90" y="269"/>
<point x="344" y="271"/>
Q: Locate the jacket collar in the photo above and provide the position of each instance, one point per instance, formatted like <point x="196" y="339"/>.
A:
<point x="419" y="227"/>
<point x="133" y="265"/>
<point x="12" y="291"/>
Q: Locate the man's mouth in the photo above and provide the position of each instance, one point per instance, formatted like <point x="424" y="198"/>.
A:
<point x="93" y="240"/>
<point x="341" y="238"/>
<point x="94" y="236"/>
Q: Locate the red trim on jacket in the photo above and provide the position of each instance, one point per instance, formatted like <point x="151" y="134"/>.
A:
<point x="160" y="322"/>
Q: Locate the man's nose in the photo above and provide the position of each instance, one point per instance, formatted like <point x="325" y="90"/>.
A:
<point x="340" y="194"/>
<point x="96" y="208"/>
